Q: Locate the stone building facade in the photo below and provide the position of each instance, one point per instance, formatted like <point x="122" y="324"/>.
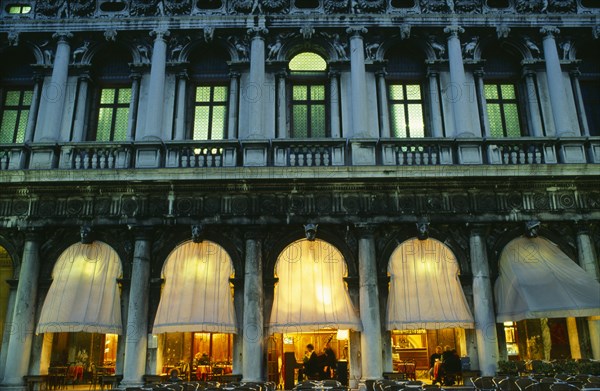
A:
<point x="255" y="124"/>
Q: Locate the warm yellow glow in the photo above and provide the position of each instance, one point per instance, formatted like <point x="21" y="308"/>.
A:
<point x="343" y="335"/>
<point x="508" y="323"/>
<point x="324" y="294"/>
<point x="308" y="61"/>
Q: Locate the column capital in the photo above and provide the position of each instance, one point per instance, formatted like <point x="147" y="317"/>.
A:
<point x="333" y="73"/>
<point x="583" y="227"/>
<point x="453" y="30"/>
<point x="257" y="32"/>
<point x="282" y="73"/>
<point x="141" y="233"/>
<point x="182" y="74"/>
<point x="234" y="75"/>
<point x="356" y="31"/>
<point x="479" y="230"/>
<point x="549" y="31"/>
<point x="160" y="33"/>
<point x="381" y="72"/>
<point x="365" y="230"/>
<point x="63" y="36"/>
<point x="575" y="72"/>
<point x="254" y="234"/>
<point x="479" y="72"/>
<point x="33" y="234"/>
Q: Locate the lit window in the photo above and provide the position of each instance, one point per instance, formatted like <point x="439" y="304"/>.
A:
<point x="308" y="92"/>
<point x="502" y="110"/>
<point x="13" y="115"/>
<point x="19" y="9"/>
<point x="113" y="114"/>
<point x="406" y="110"/>
<point x="210" y="112"/>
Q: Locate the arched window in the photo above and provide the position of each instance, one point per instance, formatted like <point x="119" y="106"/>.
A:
<point x="112" y="97"/>
<point x="406" y="72"/>
<point x="209" y="75"/>
<point x="16" y="95"/>
<point x="308" y="96"/>
<point x="502" y="94"/>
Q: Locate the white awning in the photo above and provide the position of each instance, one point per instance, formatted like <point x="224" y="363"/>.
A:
<point x="197" y="295"/>
<point x="425" y="292"/>
<point x="84" y="295"/>
<point x="537" y="280"/>
<point x="311" y="293"/>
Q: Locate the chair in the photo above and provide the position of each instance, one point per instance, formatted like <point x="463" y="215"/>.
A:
<point x="563" y="387"/>
<point x="524" y="382"/>
<point x="505" y="383"/>
<point x="484" y="383"/>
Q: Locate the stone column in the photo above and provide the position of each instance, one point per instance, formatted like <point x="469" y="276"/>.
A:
<point x="370" y="338"/>
<point x="54" y="94"/>
<point x="125" y="285"/>
<point x="7" y="325"/>
<point x="537" y="129"/>
<point x="156" y="87"/>
<point x="437" y="125"/>
<point x="81" y="107"/>
<point x="334" y="104"/>
<point x="556" y="87"/>
<point x="282" y="128"/>
<point x="33" y="109"/>
<point x="481" y="103"/>
<point x="252" y="355"/>
<point x="359" y="84"/>
<point x="256" y="95"/>
<point x="238" y="339"/>
<point x="136" y="338"/>
<point x="458" y="88"/>
<point x="133" y="105"/>
<point x="234" y="101"/>
<point x="573" y="338"/>
<point x="485" y="319"/>
<point x="181" y="105"/>
<point x="382" y="99"/>
<point x="588" y="260"/>
<point x="23" y="324"/>
<point x="579" y="102"/>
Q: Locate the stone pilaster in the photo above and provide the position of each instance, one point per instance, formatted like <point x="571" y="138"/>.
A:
<point x="282" y="129"/>
<point x="537" y="129"/>
<point x="334" y="104"/>
<point x="437" y="126"/>
<point x="234" y="101"/>
<point x="485" y="318"/>
<point x="180" y="107"/>
<point x="133" y="105"/>
<point x="382" y="99"/>
<point x="156" y="87"/>
<point x="81" y="107"/>
<point x="34" y="108"/>
<point x="575" y="74"/>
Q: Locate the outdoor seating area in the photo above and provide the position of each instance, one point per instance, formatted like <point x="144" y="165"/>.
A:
<point x="560" y="382"/>
<point x="207" y="386"/>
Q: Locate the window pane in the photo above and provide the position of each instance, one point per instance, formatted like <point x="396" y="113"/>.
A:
<point x="491" y="92"/>
<point x="512" y="120"/>
<point x="415" y="120"/>
<point x="508" y="91"/>
<point x="120" y="133"/>
<point x="317" y="121"/>
<point x="495" y="120"/>
<point x="413" y="92"/>
<point x="218" y="123"/>
<point x="299" y="117"/>
<point x="22" y="126"/>
<point x="7" y="129"/>
<point x="220" y="94"/>
<point x="12" y="98"/>
<point x="203" y="94"/>
<point x="396" y="92"/>
<point x="27" y="98"/>
<point x="107" y="96"/>
<point x="300" y="92"/>
<point x="124" y="95"/>
<point x="398" y="121"/>
<point x="317" y="92"/>
<point x="201" y="123"/>
<point x="308" y="62"/>
<point x="104" y="123"/>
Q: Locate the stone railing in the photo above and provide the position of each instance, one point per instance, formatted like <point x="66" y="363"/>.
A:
<point x="299" y="153"/>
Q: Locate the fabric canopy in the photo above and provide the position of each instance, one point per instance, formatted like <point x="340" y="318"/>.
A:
<point x="425" y="292"/>
<point x="311" y="293"/>
<point x="197" y="294"/>
<point x="84" y="295"/>
<point x="537" y="280"/>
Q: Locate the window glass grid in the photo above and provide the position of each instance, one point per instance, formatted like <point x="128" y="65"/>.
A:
<point x="406" y="110"/>
<point x="309" y="117"/>
<point x="14" y="114"/>
<point x="113" y="114"/>
<point x="502" y="110"/>
<point x="210" y="112"/>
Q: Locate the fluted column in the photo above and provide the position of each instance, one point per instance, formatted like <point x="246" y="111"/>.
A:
<point x="579" y="102"/>
<point x="537" y="129"/>
<point x="334" y="104"/>
<point x="136" y="335"/>
<point x="256" y="95"/>
<point x="81" y="107"/>
<point x="556" y="87"/>
<point x="54" y="94"/>
<point x="485" y="319"/>
<point x="588" y="260"/>
<point x="133" y="106"/>
<point x="437" y="126"/>
<point x="234" y="101"/>
<point x="382" y="99"/>
<point x="23" y="325"/>
<point x="33" y="109"/>
<point x="370" y="338"/>
<point x="252" y="355"/>
<point x="282" y="130"/>
<point x="359" y="84"/>
<point x="10" y="307"/>
<point x="156" y="87"/>
<point x="181" y="106"/>
<point x="458" y="88"/>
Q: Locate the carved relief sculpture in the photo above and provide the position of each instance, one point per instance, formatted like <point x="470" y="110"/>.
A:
<point x="178" y="7"/>
<point x="82" y="8"/>
<point x="146" y="7"/>
<point x="336" y="6"/>
<point x="531" y="6"/>
<point x="562" y="6"/>
<point x="467" y="6"/>
<point x="435" y="6"/>
<point x="370" y="6"/>
<point x="51" y="8"/>
<point x="275" y="6"/>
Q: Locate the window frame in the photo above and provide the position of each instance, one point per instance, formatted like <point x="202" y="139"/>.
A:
<point x="502" y="104"/>
<point x="405" y="104"/>
<point x="19" y="109"/>
<point x="193" y="103"/>
<point x="115" y="106"/>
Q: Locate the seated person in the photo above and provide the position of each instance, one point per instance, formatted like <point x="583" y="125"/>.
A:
<point x="435" y="357"/>
<point x="452" y="368"/>
<point x="174" y="376"/>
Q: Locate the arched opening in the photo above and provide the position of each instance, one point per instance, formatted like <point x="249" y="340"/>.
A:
<point x="311" y="306"/>
<point x="81" y="314"/>
<point x="195" y="319"/>
<point x="539" y="288"/>
<point x="426" y="305"/>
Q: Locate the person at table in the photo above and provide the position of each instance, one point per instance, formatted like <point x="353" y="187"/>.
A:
<point x="452" y="367"/>
<point x="311" y="368"/>
<point x="441" y="370"/>
<point x="174" y="376"/>
<point x="329" y="361"/>
<point x="435" y="357"/>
